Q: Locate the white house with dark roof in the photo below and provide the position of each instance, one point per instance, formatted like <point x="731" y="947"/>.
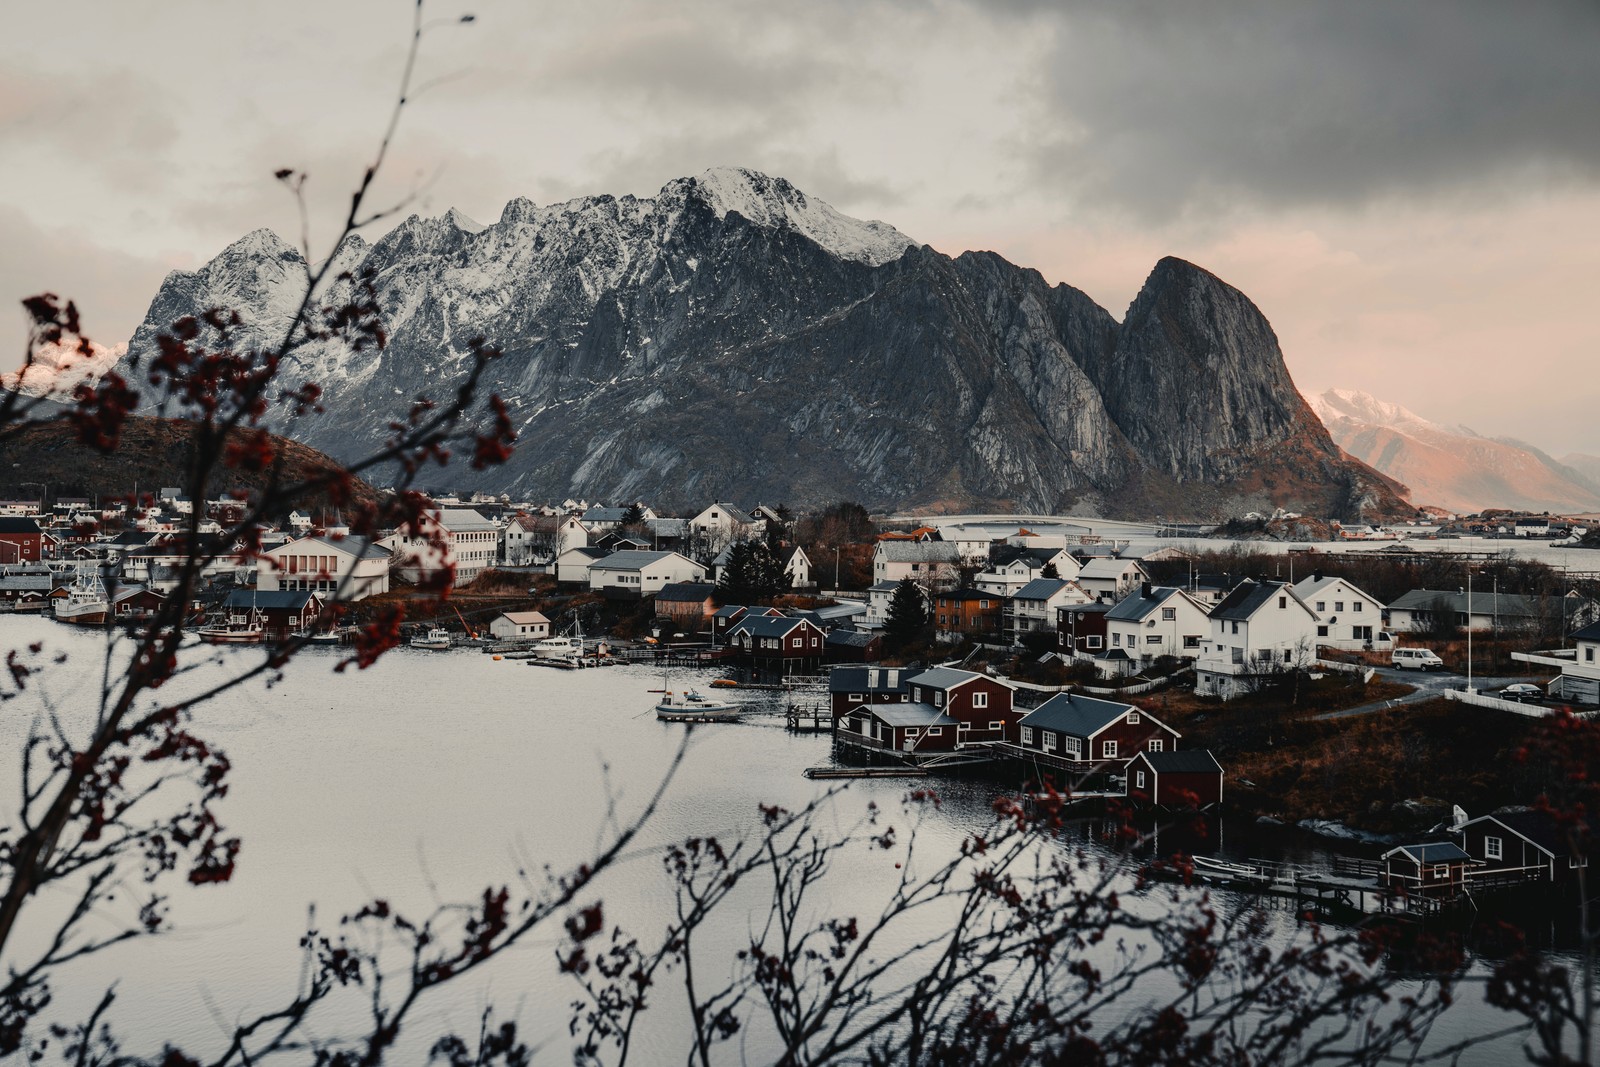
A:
<point x="572" y="566"/>
<point x="1011" y="567"/>
<point x="1259" y="630"/>
<point x="722" y="523"/>
<point x="797" y="565"/>
<point x="639" y="574"/>
<point x="1153" y="621"/>
<point x="1347" y="617"/>
<point x="1579" y="680"/>
<point x="458" y="538"/>
<point x="1033" y="607"/>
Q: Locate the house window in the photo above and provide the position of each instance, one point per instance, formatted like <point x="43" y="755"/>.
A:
<point x="980" y="700"/>
<point x="1093" y="641"/>
<point x="1491" y="848"/>
<point x="1441" y="870"/>
<point x="1356" y="606"/>
<point x="996" y="725"/>
<point x="856" y="698"/>
<point x="1152" y="639"/>
<point x="1238" y="655"/>
<point x="1235" y="627"/>
<point x="1074" y="747"/>
<point x="936" y="731"/>
<point x="1577" y="861"/>
<point x="1050" y="742"/>
<point x="911" y="735"/>
<point x="1133" y="718"/>
<point x="1138" y="780"/>
<point x="1191" y="640"/>
<point x="1338" y="605"/>
<point x="1108" y="749"/>
<point x="1322" y="605"/>
<point x="1156" y="745"/>
<point x="1322" y="631"/>
<point x="983" y="605"/>
<point x="1169" y="614"/>
<point x="1588" y="654"/>
<point x="797" y="643"/>
<point x="1283" y="602"/>
<point x="1116" y="638"/>
<point x="1027" y="735"/>
<point x="938" y="698"/>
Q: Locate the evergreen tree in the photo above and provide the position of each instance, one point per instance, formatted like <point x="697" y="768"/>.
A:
<point x="634" y="516"/>
<point x="908" y="615"/>
<point x="753" y="574"/>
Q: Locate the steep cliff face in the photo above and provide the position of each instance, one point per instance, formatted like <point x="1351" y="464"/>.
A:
<point x="732" y="337"/>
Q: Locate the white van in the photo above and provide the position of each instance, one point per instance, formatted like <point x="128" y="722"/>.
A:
<point x="1417" y="659"/>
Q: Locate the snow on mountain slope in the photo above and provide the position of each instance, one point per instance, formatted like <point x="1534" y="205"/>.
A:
<point x="1450" y="467"/>
<point x="773" y="203"/>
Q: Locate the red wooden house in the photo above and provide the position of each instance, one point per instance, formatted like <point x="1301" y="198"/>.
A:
<point x="22" y="540"/>
<point x="980" y="705"/>
<point x="1191" y="779"/>
<point x="851" y="687"/>
<point x="969" y="612"/>
<point x="903" y="729"/>
<point x="1527" y="842"/>
<point x="1082" y="627"/>
<point x="1086" y="742"/>
<point x="774" y="647"/>
<point x="1435" y="869"/>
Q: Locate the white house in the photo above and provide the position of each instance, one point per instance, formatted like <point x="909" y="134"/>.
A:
<point x="572" y="566"/>
<point x="635" y="573"/>
<point x="878" y="596"/>
<point x="458" y="538"/>
<point x="1154" y="621"/>
<point x="1033" y="607"/>
<point x="797" y="565"/>
<point x="1346" y="616"/>
<point x="1579" y="681"/>
<point x="519" y="539"/>
<point x="1110" y="577"/>
<point x="352" y="568"/>
<point x="520" y="626"/>
<point x="931" y="564"/>
<point x="1011" y="567"/>
<point x="1259" y="629"/>
<point x="722" y="524"/>
<point x="601" y="518"/>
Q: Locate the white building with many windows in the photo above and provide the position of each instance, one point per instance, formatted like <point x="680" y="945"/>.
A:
<point x="1346" y="616"/>
<point x="349" y="568"/>
<point x="1261" y="629"/>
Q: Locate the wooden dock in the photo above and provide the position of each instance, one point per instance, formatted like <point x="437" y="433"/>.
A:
<point x="864" y="772"/>
<point x="810" y="718"/>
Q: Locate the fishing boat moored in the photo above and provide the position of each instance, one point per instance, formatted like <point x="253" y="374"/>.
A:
<point x="689" y="706"/>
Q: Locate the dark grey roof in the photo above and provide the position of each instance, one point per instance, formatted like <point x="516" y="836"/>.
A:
<point x="766" y="625"/>
<point x="851" y="639"/>
<point x="728" y="611"/>
<point x="943" y="677"/>
<point x="1484" y="602"/>
<point x="1188" y="761"/>
<point x="1135" y="606"/>
<point x="1588" y="633"/>
<point x="629" y="560"/>
<point x="1431" y="852"/>
<point x="1040" y="589"/>
<point x="1075" y="714"/>
<point x="860" y="679"/>
<point x="909" y="714"/>
<point x="685" y="592"/>
<point x="1247" y="598"/>
<point x="1094" y="607"/>
<point x="26" y="581"/>
<point x="21" y="524"/>
<point x="278" y="600"/>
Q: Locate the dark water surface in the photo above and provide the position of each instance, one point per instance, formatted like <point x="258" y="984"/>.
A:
<point x="427" y="778"/>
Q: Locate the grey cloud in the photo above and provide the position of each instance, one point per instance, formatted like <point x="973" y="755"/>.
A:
<point x="1164" y="107"/>
<point x="111" y="289"/>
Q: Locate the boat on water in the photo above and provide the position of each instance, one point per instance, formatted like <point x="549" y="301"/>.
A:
<point x="686" y="705"/>
<point x="437" y="639"/>
<point x="245" y="634"/>
<point x="86" y="603"/>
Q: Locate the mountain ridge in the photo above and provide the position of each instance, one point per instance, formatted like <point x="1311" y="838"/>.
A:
<point x="735" y="337"/>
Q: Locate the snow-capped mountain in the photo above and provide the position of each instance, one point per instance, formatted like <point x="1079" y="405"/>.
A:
<point x="734" y="338"/>
<point x="1451" y="467"/>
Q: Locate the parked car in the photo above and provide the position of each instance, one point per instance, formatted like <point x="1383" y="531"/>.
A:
<point x="1522" y="691"/>
<point x="1416" y="659"/>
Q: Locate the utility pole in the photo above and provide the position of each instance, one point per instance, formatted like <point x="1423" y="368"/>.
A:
<point x="1469" y="628"/>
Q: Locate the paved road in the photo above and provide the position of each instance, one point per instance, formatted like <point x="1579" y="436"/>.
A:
<point x="1430" y="685"/>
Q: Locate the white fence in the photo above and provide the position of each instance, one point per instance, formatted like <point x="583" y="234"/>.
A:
<point x="1484" y="700"/>
<point x="1348" y="668"/>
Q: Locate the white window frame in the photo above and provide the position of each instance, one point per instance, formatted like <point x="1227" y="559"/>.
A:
<point x="1027" y="735"/>
<point x="1493" y="848"/>
<point x="980" y="700"/>
<point x="1133" y="718"/>
<point x="1108" y="750"/>
<point x="996" y="724"/>
<point x="1049" y="741"/>
<point x="1156" y="745"/>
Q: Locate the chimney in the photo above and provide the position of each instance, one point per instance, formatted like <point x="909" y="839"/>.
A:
<point x="1144" y="590"/>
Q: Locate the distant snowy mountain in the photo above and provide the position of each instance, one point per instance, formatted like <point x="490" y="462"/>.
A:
<point x="1451" y="466"/>
<point x="733" y="338"/>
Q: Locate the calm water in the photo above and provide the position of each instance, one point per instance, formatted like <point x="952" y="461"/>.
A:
<point x="423" y="780"/>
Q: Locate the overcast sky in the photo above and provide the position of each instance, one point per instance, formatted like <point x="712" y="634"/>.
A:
<point x="1410" y="191"/>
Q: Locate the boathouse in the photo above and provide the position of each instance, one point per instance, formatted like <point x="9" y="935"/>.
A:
<point x="1084" y="736"/>
<point x="901" y="729"/>
<point x="1527" y="841"/>
<point x="851" y="687"/>
<point x="773" y="648"/>
<point x="1436" y="868"/>
<point x="1190" y="779"/>
<point x="278" y="614"/>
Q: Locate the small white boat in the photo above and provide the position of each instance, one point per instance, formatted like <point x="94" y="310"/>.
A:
<point x="437" y="639"/>
<point x="689" y="706"/>
<point x="231" y="635"/>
